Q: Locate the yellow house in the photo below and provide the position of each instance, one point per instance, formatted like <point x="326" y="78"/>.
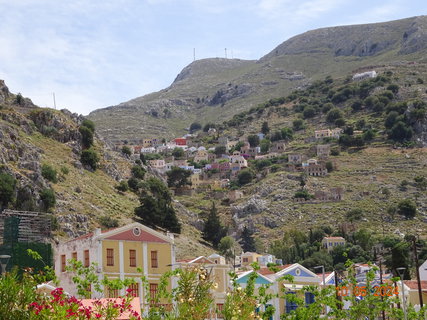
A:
<point x="329" y="243"/>
<point x="249" y="257"/>
<point x="411" y="293"/>
<point x="119" y="253"/>
<point x="219" y="272"/>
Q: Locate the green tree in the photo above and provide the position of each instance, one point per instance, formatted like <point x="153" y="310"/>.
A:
<point x="195" y="126"/>
<point x="309" y="112"/>
<point x="226" y="248"/>
<point x="407" y="208"/>
<point x="287" y="133"/>
<point x="87" y="137"/>
<point x="298" y="124"/>
<point x="90" y="158"/>
<point x="126" y="150"/>
<point x="7" y="189"/>
<point x="219" y="150"/>
<point x="178" y="177"/>
<point x="47" y="196"/>
<point x="156" y="206"/>
<point x="49" y="173"/>
<point x="265" y="129"/>
<point x="138" y="172"/>
<point x="400" y="132"/>
<point x="333" y="115"/>
<point x="253" y="140"/>
<point x="247" y="240"/>
<point x="245" y="176"/>
<point x="178" y="153"/>
<point x="122" y="186"/>
<point x="213" y="230"/>
<point x="355" y="214"/>
<point x="265" y="145"/>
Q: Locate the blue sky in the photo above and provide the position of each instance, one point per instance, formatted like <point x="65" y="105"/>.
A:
<point x="97" y="53"/>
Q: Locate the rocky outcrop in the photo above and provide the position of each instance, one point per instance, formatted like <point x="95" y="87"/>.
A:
<point x="254" y="205"/>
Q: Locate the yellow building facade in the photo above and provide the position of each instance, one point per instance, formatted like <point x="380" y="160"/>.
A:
<point x="120" y="253"/>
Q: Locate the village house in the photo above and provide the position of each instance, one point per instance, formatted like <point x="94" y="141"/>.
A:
<point x="364" y="75"/>
<point x="235" y="169"/>
<point x="137" y="149"/>
<point x="201" y="155"/>
<point x="242" y="162"/>
<point x="248" y="258"/>
<point x="323" y="150"/>
<point x="157" y="164"/>
<point x="278" y="147"/>
<point x="423" y="271"/>
<point x="218" y="270"/>
<point x="327" y="133"/>
<point x="334" y="194"/>
<point x="148" y="150"/>
<point x="410" y="291"/>
<point x="119" y="253"/>
<point x="295" y="158"/>
<point x="270" y="155"/>
<point x="313" y="168"/>
<point x="180" y="163"/>
<point x="329" y="243"/>
<point x="266" y="259"/>
<point x="180" y="141"/>
<point x="231" y="144"/>
<point x="147" y="143"/>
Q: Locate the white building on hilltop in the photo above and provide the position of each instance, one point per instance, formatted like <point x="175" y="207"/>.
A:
<point x="364" y="75"/>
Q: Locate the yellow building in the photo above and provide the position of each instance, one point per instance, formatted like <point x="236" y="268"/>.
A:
<point x="119" y="253"/>
<point x="219" y="271"/>
<point x="329" y="243"/>
<point x="249" y="257"/>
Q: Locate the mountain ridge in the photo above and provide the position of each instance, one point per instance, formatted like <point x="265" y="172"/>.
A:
<point x="213" y="90"/>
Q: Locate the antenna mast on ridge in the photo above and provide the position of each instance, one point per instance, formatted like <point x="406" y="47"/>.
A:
<point x="225" y="53"/>
<point x="54" y="100"/>
<point x="194" y="54"/>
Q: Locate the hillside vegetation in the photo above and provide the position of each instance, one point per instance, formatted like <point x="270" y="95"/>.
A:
<point x="42" y="169"/>
<point x="379" y="160"/>
<point x="213" y="90"/>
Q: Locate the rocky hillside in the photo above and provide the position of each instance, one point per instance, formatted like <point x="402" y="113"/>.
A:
<point x="213" y="90"/>
<point x="36" y="141"/>
<point x="373" y="168"/>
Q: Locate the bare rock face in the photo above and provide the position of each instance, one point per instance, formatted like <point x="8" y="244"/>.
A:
<point x="74" y="225"/>
<point x="255" y="205"/>
<point x="4" y="91"/>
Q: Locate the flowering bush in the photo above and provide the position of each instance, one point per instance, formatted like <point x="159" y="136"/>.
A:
<point x="60" y="307"/>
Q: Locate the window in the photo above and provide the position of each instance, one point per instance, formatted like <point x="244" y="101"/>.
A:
<point x="132" y="258"/>
<point x="74" y="256"/>
<point x="134" y="290"/>
<point x="153" y="291"/>
<point x="86" y="256"/>
<point x="154" y="262"/>
<point x="110" y="257"/>
<point x="63" y="263"/>
<point x="112" y="293"/>
<point x="245" y="259"/>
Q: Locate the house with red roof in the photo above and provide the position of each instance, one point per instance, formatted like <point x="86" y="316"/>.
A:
<point x="118" y="254"/>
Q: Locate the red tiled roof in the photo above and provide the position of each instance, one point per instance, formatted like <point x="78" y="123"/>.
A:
<point x="266" y="271"/>
<point x="413" y="284"/>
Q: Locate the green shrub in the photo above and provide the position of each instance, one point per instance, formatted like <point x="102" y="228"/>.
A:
<point x="333" y="115"/>
<point x="90" y="158"/>
<point x="89" y="124"/>
<point x="7" y="189"/>
<point x="87" y="137"/>
<point x="245" y="176"/>
<point x="47" y="196"/>
<point x="298" y="124"/>
<point x="126" y="150"/>
<point x="407" y="207"/>
<point x="122" y="186"/>
<point x="65" y="170"/>
<point x="108" y="222"/>
<point x="49" y="173"/>
<point x="138" y="172"/>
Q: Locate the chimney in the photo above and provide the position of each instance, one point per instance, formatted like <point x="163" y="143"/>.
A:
<point x="97" y="232"/>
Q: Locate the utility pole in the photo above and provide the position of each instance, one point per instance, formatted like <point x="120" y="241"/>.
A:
<point x="420" y="293"/>
<point x="194" y="54"/>
<point x="381" y="282"/>
<point x="225" y="53"/>
<point x="54" y="100"/>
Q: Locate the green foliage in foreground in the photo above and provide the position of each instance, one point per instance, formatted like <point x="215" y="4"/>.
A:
<point x="193" y="299"/>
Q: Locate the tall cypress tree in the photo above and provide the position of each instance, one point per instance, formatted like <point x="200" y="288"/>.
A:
<point x="247" y="241"/>
<point x="156" y="206"/>
<point x="213" y="230"/>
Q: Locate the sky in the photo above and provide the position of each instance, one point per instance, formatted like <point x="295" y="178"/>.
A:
<point x="98" y="53"/>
